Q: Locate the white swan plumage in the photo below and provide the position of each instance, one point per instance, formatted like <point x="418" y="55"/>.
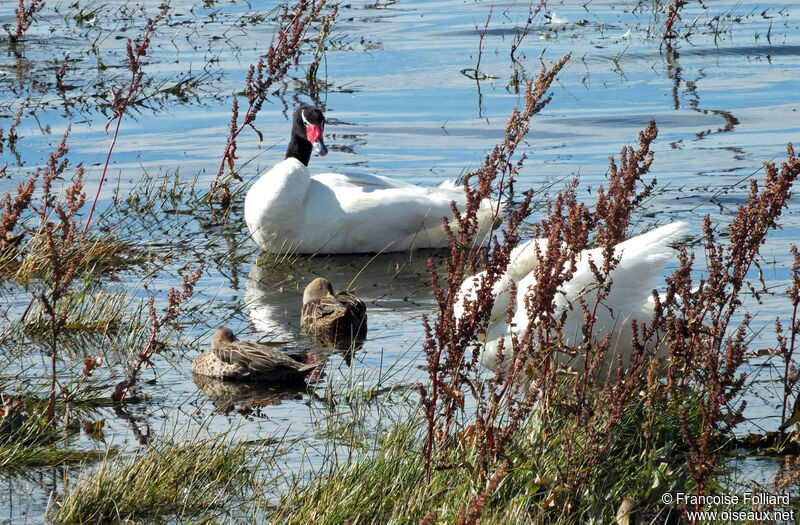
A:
<point x="642" y="259"/>
<point x="287" y="209"/>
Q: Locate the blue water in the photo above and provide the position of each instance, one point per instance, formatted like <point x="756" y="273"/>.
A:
<point x="724" y="97"/>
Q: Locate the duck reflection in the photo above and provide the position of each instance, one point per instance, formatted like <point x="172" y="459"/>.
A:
<point x="243" y="391"/>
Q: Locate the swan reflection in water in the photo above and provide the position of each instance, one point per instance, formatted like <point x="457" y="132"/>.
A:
<point x="393" y="286"/>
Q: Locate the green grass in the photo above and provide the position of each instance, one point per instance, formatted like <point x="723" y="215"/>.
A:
<point x="89" y="309"/>
<point x="182" y="478"/>
<point x="32" y="441"/>
<point x="387" y="484"/>
<point x="94" y="256"/>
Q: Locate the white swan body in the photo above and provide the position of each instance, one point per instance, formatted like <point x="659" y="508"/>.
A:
<point x="289" y="210"/>
<point x="642" y="259"/>
<point x="524" y="258"/>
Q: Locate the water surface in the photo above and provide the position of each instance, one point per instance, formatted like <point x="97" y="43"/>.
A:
<point x="724" y="96"/>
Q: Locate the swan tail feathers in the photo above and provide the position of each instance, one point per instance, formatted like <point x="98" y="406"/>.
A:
<point x="669" y="233"/>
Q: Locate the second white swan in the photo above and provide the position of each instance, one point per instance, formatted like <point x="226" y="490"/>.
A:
<point x="642" y="259"/>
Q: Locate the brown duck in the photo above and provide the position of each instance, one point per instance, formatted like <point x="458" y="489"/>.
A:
<point x="337" y="320"/>
<point x="232" y="359"/>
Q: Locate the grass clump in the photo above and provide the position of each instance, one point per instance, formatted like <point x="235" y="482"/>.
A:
<point x="167" y="210"/>
<point x="528" y="485"/>
<point x="88" y="309"/>
<point x="173" y="477"/>
<point x="92" y="256"/>
<point x="27" y="441"/>
<point x="378" y="488"/>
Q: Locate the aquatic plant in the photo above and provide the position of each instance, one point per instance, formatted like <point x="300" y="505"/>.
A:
<point x="504" y="402"/>
<point x="40" y="248"/>
<point x="786" y="343"/>
<point x="695" y="324"/>
<point x="319" y="50"/>
<point x="24" y="17"/>
<point x="283" y="53"/>
<point x="13" y="210"/>
<point x="706" y="347"/>
<point x="673" y="13"/>
<point x="387" y="484"/>
<point x="31" y="440"/>
<point x="61" y="73"/>
<point x="183" y="477"/>
<point x="171" y="312"/>
<point x="787" y="477"/>
<point x="12" y="138"/>
<point x="543" y="444"/>
<point x="119" y="103"/>
<point x="446" y="346"/>
<point x="59" y="265"/>
<point x="520" y="35"/>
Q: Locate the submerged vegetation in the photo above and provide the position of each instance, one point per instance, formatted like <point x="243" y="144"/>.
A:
<point x="108" y="301"/>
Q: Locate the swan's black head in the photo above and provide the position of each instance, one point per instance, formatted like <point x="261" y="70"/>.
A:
<point x="307" y="128"/>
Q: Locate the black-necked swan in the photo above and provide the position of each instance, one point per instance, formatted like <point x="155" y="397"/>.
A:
<point x="287" y="209"/>
<point x="642" y="259"/>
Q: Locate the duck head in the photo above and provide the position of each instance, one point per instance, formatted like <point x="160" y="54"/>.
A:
<point x="307" y="128"/>
<point x="317" y="289"/>
<point x="222" y="335"/>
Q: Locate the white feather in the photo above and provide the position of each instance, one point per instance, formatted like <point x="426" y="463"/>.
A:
<point x="336" y="213"/>
<point x="522" y="261"/>
<point x="642" y="259"/>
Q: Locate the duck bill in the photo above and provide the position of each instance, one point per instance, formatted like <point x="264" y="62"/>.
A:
<point x="314" y="134"/>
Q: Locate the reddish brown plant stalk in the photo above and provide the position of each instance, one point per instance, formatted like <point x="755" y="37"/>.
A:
<point x="120" y="104"/>
<point x="283" y="53"/>
<point x="25" y="17"/>
<point x="143" y="359"/>
<point x="673" y="14"/>
<point x="787" y="347"/>
<point x="704" y="351"/>
<point x="451" y="353"/>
